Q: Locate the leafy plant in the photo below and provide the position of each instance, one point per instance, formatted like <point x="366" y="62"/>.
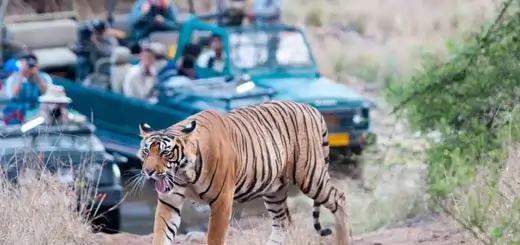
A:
<point x="472" y="101"/>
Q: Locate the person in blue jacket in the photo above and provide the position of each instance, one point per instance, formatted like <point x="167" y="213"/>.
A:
<point x="10" y="66"/>
<point x="149" y="16"/>
<point x="23" y="88"/>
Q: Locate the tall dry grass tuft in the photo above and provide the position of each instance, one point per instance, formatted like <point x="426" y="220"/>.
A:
<point x="38" y="212"/>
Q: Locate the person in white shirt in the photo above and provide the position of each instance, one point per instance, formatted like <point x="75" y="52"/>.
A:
<point x="213" y="58"/>
<point x="141" y="79"/>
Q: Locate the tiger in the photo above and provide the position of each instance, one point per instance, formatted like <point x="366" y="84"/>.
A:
<point x="251" y="152"/>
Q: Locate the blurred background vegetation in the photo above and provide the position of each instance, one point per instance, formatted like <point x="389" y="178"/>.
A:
<point x="471" y="102"/>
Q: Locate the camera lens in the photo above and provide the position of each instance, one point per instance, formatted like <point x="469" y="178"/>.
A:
<point x="56" y="113"/>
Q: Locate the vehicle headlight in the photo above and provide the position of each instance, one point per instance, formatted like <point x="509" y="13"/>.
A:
<point x="117" y="173"/>
<point x="358" y="117"/>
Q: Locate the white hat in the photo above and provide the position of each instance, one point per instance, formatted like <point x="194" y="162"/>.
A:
<point x="55" y="94"/>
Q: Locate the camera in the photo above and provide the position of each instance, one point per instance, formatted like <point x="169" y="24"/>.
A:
<point x="55" y="113"/>
<point x="85" y="32"/>
<point x="156" y="10"/>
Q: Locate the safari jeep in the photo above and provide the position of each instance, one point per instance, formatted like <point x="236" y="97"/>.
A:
<point x="280" y="65"/>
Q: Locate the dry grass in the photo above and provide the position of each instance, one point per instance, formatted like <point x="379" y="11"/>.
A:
<point x="381" y="39"/>
<point x="255" y="232"/>
<point x="37" y="212"/>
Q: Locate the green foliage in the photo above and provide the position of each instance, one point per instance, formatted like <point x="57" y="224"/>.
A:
<point x="469" y="99"/>
<point x="472" y="100"/>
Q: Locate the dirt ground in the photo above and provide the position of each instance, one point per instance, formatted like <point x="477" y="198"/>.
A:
<point x="430" y="232"/>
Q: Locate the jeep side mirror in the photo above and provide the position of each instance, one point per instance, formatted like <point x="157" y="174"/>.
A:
<point x="118" y="158"/>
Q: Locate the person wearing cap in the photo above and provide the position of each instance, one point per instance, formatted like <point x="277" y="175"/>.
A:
<point x="102" y="46"/>
<point x="24" y="86"/>
<point x="141" y="78"/>
<point x="148" y="16"/>
<point x="53" y="108"/>
<point x="265" y="12"/>
<point x="82" y="48"/>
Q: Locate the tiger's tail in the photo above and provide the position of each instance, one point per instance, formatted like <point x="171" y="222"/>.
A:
<point x="316" y="206"/>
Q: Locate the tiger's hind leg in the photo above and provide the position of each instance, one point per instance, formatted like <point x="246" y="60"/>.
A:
<point x="324" y="193"/>
<point x="276" y="204"/>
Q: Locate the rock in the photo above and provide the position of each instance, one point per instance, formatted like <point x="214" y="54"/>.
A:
<point x="195" y="236"/>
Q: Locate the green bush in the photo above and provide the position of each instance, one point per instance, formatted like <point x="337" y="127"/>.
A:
<point x="472" y="101"/>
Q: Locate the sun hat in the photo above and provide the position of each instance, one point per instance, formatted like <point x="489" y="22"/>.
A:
<point x="54" y="94"/>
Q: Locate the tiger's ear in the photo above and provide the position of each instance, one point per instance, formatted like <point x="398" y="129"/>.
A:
<point x="144" y="129"/>
<point x="190" y="127"/>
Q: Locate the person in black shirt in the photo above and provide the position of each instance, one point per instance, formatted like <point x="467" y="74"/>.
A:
<point x="187" y="67"/>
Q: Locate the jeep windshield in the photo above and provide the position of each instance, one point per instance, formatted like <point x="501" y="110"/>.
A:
<point x="257" y="50"/>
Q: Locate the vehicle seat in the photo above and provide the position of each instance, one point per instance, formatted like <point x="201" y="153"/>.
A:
<point x="120" y="66"/>
<point x="49" y="40"/>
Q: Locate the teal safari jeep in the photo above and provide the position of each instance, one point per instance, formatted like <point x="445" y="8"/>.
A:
<point x="280" y="63"/>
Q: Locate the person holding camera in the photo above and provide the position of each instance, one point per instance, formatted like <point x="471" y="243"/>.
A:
<point x="149" y="16"/>
<point x="102" y="46"/>
<point x="53" y="108"/>
<point x="94" y="44"/>
<point x="24" y="87"/>
<point x="84" y="66"/>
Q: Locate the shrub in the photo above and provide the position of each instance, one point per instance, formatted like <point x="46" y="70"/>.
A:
<point x="471" y="100"/>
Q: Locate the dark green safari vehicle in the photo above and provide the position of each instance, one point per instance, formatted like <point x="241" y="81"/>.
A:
<point x="76" y="155"/>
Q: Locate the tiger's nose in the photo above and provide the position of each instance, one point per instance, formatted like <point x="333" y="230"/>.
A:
<point x="148" y="172"/>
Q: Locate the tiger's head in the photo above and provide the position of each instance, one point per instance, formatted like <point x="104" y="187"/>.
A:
<point x="166" y="157"/>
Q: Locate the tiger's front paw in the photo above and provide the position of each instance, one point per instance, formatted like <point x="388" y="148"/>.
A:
<point x="276" y="238"/>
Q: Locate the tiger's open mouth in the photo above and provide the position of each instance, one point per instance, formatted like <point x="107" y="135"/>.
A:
<point x="162" y="186"/>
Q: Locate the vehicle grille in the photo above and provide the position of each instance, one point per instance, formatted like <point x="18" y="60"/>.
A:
<point x="343" y="120"/>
